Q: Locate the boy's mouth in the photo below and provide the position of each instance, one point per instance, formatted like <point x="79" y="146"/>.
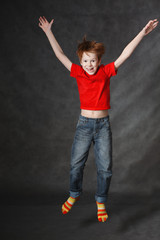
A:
<point x="90" y="69"/>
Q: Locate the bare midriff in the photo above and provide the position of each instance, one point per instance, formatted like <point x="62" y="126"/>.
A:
<point x="94" y="113"/>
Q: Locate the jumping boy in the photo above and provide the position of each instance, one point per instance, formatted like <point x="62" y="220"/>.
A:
<point x="93" y="80"/>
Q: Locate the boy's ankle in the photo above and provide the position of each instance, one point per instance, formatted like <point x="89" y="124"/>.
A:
<point x="66" y="207"/>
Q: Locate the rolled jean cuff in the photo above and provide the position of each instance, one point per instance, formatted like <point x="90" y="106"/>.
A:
<point x="74" y="194"/>
<point x="100" y="199"/>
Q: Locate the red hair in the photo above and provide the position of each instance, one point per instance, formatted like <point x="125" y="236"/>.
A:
<point x="90" y="46"/>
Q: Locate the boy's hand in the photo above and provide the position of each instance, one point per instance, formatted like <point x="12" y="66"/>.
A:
<point x="44" y="24"/>
<point x="150" y="26"/>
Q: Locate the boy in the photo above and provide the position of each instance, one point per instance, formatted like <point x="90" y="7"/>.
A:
<point x="93" y="125"/>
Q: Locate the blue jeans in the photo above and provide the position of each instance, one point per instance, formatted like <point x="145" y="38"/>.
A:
<point x="98" y="131"/>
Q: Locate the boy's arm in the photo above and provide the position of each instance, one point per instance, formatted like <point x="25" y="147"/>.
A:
<point x="134" y="43"/>
<point x="46" y="27"/>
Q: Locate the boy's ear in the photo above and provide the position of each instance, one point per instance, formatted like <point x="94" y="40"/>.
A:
<point x="80" y="61"/>
<point x="99" y="62"/>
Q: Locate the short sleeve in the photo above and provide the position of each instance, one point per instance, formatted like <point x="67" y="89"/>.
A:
<point x="75" y="70"/>
<point x="110" y="69"/>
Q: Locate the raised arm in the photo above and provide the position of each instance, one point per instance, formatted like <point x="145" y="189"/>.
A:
<point x="46" y="27"/>
<point x="134" y="43"/>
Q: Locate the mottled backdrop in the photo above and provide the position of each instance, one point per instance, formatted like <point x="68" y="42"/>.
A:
<point x="40" y="102"/>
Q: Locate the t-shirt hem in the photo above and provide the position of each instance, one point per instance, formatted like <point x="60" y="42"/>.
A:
<point x="95" y="108"/>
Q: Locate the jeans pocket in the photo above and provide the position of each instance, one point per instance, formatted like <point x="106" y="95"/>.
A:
<point x="81" y="122"/>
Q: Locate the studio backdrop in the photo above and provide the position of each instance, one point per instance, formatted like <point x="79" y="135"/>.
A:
<point x="40" y="101"/>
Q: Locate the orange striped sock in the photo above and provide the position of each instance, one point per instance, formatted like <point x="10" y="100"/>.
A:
<point x="101" y="212"/>
<point x="66" y="207"/>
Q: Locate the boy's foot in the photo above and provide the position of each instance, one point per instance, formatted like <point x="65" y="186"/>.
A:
<point x="101" y="212"/>
<point x="66" y="207"/>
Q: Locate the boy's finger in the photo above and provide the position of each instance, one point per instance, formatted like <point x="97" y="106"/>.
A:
<point x="155" y="25"/>
<point x="52" y="21"/>
<point x="41" y="20"/>
<point x="40" y="25"/>
<point x="44" y="19"/>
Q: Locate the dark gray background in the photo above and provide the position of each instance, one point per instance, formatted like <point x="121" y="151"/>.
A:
<point x="40" y="102"/>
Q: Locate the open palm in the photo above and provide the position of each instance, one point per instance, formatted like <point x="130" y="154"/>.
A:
<point x="150" y="26"/>
<point x="44" y="24"/>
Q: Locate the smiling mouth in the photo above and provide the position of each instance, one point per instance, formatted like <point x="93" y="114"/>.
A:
<point x="90" y="70"/>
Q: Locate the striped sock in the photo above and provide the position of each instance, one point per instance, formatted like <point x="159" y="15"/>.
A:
<point x="101" y="213"/>
<point x="66" y="207"/>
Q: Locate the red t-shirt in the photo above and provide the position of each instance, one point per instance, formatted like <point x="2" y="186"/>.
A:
<point x="94" y="90"/>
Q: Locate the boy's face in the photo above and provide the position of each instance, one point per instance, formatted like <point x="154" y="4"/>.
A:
<point x="90" y="62"/>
